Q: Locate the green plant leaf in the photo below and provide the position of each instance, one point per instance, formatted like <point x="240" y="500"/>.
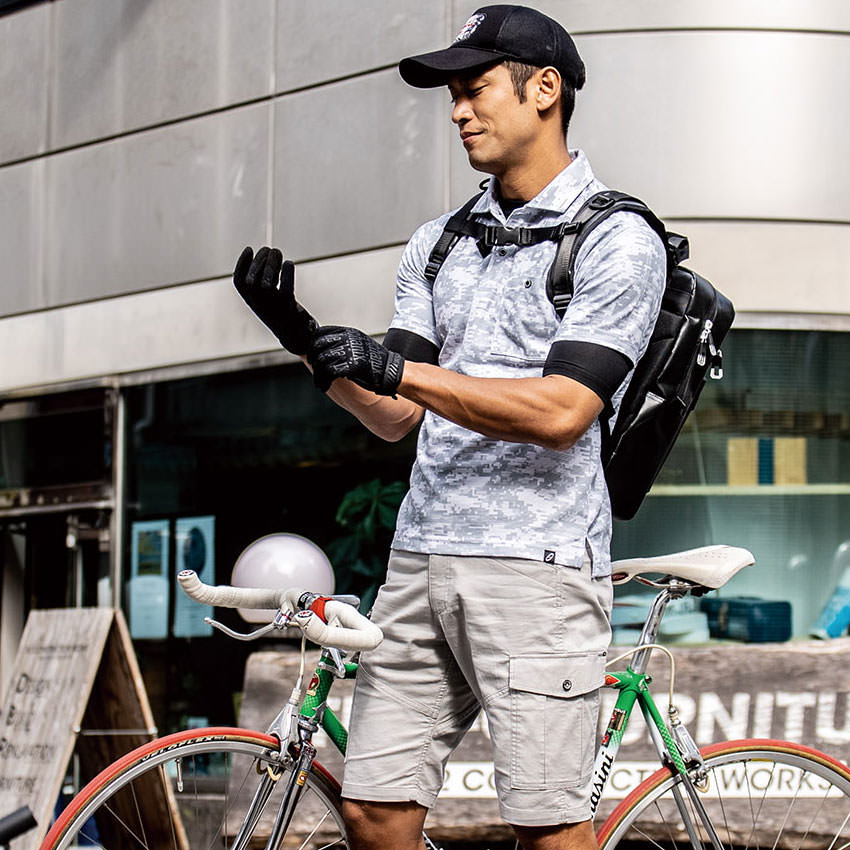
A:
<point x="343" y="549"/>
<point x="368" y="512"/>
<point x="367" y="598"/>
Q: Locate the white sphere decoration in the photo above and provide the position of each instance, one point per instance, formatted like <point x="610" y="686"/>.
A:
<point x="281" y="561"/>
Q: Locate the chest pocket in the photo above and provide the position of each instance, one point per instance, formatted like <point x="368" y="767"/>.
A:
<point x="524" y="321"/>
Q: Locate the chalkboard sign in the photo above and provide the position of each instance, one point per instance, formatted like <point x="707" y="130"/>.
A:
<point x="75" y="683"/>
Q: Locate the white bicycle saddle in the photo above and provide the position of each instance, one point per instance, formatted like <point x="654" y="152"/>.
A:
<point x="709" y="566"/>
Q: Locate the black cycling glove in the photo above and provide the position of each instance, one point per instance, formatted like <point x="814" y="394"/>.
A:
<point x="256" y="280"/>
<point x="338" y="352"/>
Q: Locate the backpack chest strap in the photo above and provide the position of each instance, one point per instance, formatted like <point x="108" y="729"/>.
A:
<point x="488" y="236"/>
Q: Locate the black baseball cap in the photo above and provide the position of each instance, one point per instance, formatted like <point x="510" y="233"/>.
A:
<point x="491" y="35"/>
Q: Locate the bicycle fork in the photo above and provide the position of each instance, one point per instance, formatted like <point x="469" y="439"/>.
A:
<point x="668" y="752"/>
<point x="307" y="726"/>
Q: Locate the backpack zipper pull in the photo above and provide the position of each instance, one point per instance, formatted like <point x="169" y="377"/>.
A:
<point x="706" y="341"/>
<point x="717" y="367"/>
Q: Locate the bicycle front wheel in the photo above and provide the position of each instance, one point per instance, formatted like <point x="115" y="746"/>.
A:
<point x="759" y="794"/>
<point x="195" y="789"/>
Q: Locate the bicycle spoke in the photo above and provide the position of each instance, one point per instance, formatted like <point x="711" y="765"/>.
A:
<point x="220" y="829"/>
<point x="761" y="796"/>
<point x="124" y="824"/>
<point x="221" y="791"/>
<point x="313" y="831"/>
<point x="662" y="819"/>
<point x="816" y="818"/>
<point x="750" y="801"/>
<point x="173" y="827"/>
<point x="139" y="814"/>
<point x="226" y="806"/>
<point x="723" y="811"/>
<point x="838" y="835"/>
<point x="788" y="813"/>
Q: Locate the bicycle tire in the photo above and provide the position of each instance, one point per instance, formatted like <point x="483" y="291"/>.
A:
<point x="774" y="794"/>
<point x="191" y="790"/>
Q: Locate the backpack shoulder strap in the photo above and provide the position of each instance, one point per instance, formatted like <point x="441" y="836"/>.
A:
<point x="452" y="231"/>
<point x="559" y="284"/>
<point x="486" y="236"/>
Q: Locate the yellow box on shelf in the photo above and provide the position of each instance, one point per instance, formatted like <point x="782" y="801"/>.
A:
<point x="766" y="461"/>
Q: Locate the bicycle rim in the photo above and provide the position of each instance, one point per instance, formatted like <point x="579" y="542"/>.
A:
<point x="761" y="794"/>
<point x="192" y="790"/>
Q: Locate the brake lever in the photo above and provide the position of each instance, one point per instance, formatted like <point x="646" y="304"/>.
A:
<point x="336" y="656"/>
<point x="258" y="633"/>
<point x="349" y="599"/>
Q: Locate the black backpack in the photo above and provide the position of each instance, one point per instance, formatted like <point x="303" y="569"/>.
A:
<point x="682" y="351"/>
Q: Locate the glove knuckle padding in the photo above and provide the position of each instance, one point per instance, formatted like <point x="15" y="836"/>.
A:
<point x="339" y="352"/>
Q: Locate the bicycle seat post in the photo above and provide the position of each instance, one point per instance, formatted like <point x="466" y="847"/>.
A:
<point x="673" y="590"/>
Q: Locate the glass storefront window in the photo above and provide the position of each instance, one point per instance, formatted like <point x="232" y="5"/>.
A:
<point x="56" y="497"/>
<point x="764" y="463"/>
<point x="241" y="455"/>
<point x="55" y="441"/>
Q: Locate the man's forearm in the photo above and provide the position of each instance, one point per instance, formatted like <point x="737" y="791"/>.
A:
<point x="552" y="411"/>
<point x="388" y="418"/>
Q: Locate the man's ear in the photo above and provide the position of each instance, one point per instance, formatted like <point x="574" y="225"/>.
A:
<point x="548" y="88"/>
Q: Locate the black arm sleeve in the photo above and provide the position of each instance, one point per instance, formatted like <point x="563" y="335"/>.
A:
<point x="411" y="346"/>
<point x="598" y="367"/>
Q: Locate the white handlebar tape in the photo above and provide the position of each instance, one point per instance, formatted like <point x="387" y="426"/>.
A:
<point x="225" y="596"/>
<point x="355" y="632"/>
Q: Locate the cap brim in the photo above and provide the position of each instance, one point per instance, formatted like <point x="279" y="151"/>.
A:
<point x="430" y="70"/>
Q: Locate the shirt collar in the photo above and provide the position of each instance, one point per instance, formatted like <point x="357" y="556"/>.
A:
<point x="555" y="198"/>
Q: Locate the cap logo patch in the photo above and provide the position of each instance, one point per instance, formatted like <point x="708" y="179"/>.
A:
<point x="470" y="26"/>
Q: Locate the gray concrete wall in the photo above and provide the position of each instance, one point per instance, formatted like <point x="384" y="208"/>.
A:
<point x="145" y="142"/>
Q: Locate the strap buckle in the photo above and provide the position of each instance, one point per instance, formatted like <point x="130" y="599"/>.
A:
<point x="600" y="201"/>
<point x="495" y="234"/>
<point x="564" y="228"/>
<point x="678" y="247"/>
<point x="561" y="300"/>
<point x="432" y="267"/>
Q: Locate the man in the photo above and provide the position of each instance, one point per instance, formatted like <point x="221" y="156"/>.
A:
<point x="498" y="592"/>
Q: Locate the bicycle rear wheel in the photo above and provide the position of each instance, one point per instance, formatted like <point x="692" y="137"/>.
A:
<point x="192" y="790"/>
<point x="770" y="794"/>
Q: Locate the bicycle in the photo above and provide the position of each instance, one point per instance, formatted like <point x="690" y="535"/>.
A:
<point x="748" y="793"/>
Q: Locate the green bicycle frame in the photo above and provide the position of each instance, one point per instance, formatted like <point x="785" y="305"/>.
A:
<point x="317" y="694"/>
<point x="633" y="687"/>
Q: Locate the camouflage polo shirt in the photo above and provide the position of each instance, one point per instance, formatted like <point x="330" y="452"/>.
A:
<point x="490" y="317"/>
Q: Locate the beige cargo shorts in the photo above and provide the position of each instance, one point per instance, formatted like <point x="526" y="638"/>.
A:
<point x="523" y="640"/>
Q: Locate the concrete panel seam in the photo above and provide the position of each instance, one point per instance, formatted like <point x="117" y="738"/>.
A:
<point x="270" y="161"/>
<point x="161" y="287"/>
<point x="193" y="116"/>
<point x="646" y="30"/>
<point x="355" y="75"/>
<point x="752" y="220"/>
<point x="158" y="287"/>
<point x="137" y="131"/>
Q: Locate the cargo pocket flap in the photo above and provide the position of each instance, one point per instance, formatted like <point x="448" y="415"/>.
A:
<point x="568" y="675"/>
